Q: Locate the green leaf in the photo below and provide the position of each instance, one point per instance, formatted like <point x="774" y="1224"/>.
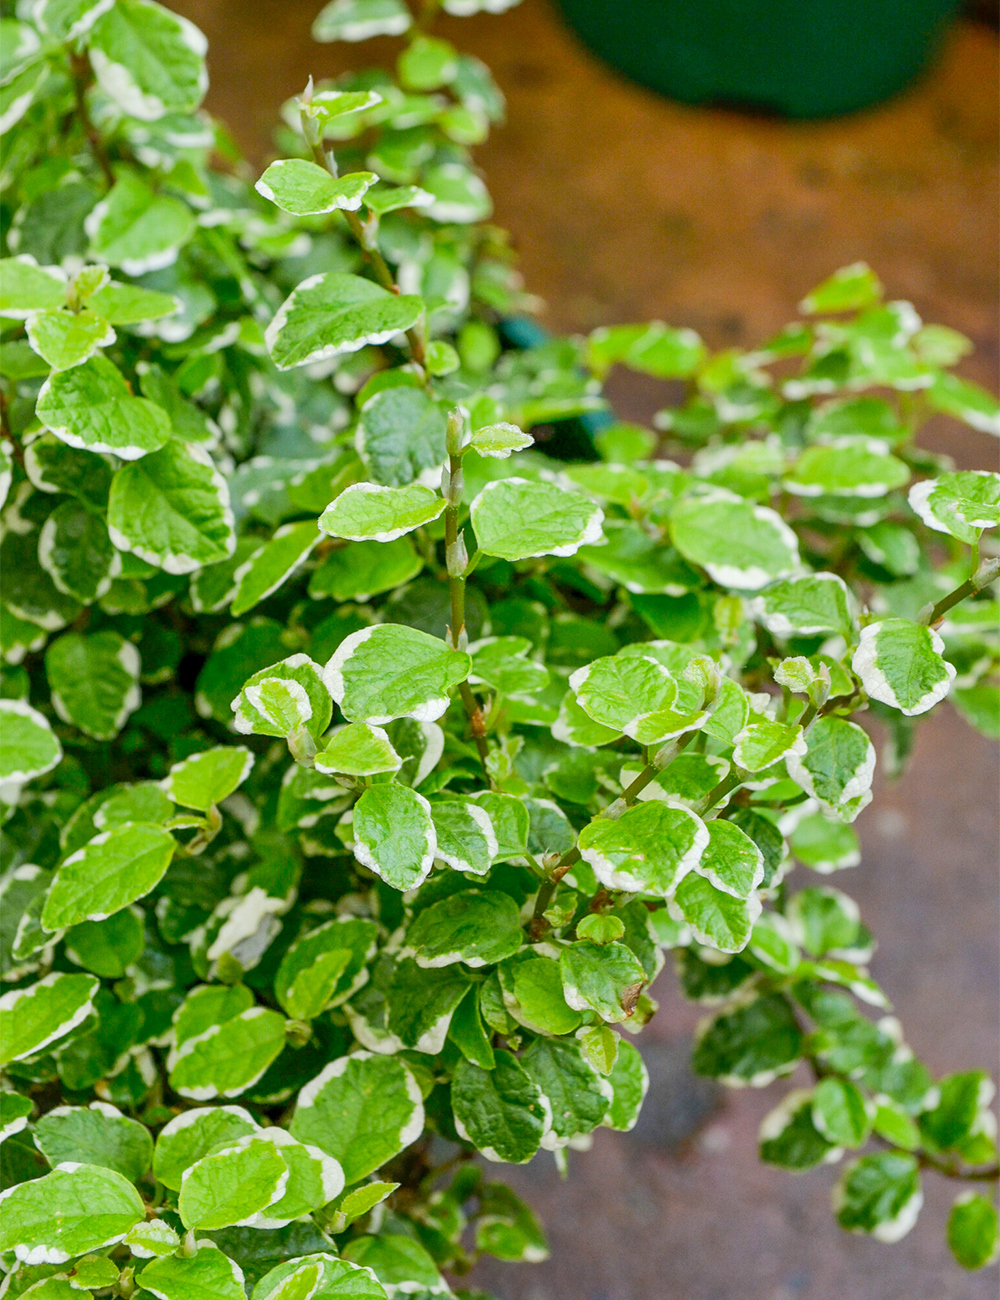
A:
<point x="807" y="606"/>
<point x="762" y="744"/>
<point x="29" y="746"/>
<point x="325" y="966"/>
<point x="466" y="839"/>
<point x="287" y="699"/>
<point x="500" y="1111"/>
<point x="852" y="287"/>
<point x="789" y="1138"/>
<point x="151" y="1239"/>
<point x="394" y="835"/>
<point x="841" y="1113"/>
<point x="55" y="467"/>
<point x="92" y="407"/>
<point x="401" y="1264"/>
<point x="65" y="339"/>
<point x="459" y="195"/>
<point x="849" y="468"/>
<point x="94" y="681"/>
<point x="716" y="917"/>
<point x="740" y="544"/>
<point x="506" y="1227"/>
<point x="365" y="569"/>
<point x="333" y="313"/>
<point x="26" y="287"/>
<point x="207" y="778"/>
<point x="358" y="750"/>
<point x="649" y="849"/>
<point x="880" y="1194"/>
<point x="34" y="1017"/>
<point x="135" y="228"/>
<point x="172" y="509"/>
<point x="960" y="504"/>
<point x="654" y="349"/>
<point x="427" y="63"/>
<point x="468" y="1033"/>
<point x="578" y="1097"/>
<point x="575" y="727"/>
<point x="752" y="1045"/>
<point x="961" y="1099"/>
<point x="973" y="1233"/>
<point x="422" y="1003"/>
<point x="606" y="978"/>
<point x="323" y="1276"/>
<point x="640" y="563"/>
<point x="965" y="401"/>
<point x="498" y="441"/>
<point x="367" y="512"/>
<point x="67" y="1213"/>
<point x="129" y="304"/>
<point x="75" y="550"/>
<point x="901" y="664"/>
<point x="401" y="434"/>
<point x="731" y="861"/>
<point x="304" y="189"/>
<point x="533" y="994"/>
<point x="515" y="519"/>
<point x="96" y="1135"/>
<point x="192" y="1134"/>
<point x="207" y="1275"/>
<point x="359" y="20"/>
<point x="107" y="948"/>
<point x="837" y="767"/>
<point x="232" y="1185"/>
<point x="314" y="1179"/>
<point x="274" y="565"/>
<point x="509" y="819"/>
<point x="362" y="1110"/>
<point x="979" y="705"/>
<point x="391" y="671"/>
<point x="150" y="61"/>
<point x="824" y="845"/>
<point x="113" y="870"/>
<point x="229" y="1058"/>
<point x="475" y="927"/>
<point x="620" y="692"/>
<point x="629" y="1081"/>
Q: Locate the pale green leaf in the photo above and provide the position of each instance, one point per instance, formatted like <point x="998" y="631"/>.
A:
<point x="29" y="746"/>
<point x="475" y="927"/>
<point x="391" y="671"/>
<point x="227" y="1059"/>
<point x="498" y="441"/>
<point x="515" y="519"/>
<point x="232" y="1185"/>
<point x="94" y="681"/>
<point x="135" y="228"/>
<point x="606" y="978"/>
<point x="362" y="1110"/>
<point x="31" y="1018"/>
<point x="837" y="767"/>
<point x="394" y="835"/>
<point x="26" y="287"/>
<point x="285" y="699"/>
<point x="763" y="743"/>
<point x="465" y="836"/>
<point x="91" y="406"/>
<point x="359" y="20"/>
<point x="649" y="849"/>
<point x="358" y="749"/>
<point x="960" y="504"/>
<point x="367" y="512"/>
<point x="67" y="1213"/>
<point x="96" y="1135"/>
<point x="305" y="189"/>
<point x="274" y="565"/>
<point x="901" y="664"/>
<point x="333" y="313"/>
<point x="208" y="1274"/>
<point x="717" y="918"/>
<point x="172" y="509"/>
<point x="192" y="1134"/>
<point x="113" y="870"/>
<point x="209" y="777"/>
<point x="64" y="339"/>
<point x="739" y="544"/>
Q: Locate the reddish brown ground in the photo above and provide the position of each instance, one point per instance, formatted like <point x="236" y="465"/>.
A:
<point x="627" y="206"/>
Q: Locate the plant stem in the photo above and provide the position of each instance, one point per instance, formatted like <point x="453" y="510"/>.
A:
<point x="367" y="244"/>
<point x="726" y="786"/>
<point x="990" y="1175"/>
<point x="83" y="78"/>
<point x="986" y="573"/>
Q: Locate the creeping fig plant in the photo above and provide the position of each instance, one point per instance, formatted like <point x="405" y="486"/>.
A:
<point x="360" y="762"/>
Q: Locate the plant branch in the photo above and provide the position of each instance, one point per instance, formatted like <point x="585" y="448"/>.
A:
<point x="83" y="79"/>
<point x="986" y="573"/>
<point x="988" y="1175"/>
<point x="365" y="239"/>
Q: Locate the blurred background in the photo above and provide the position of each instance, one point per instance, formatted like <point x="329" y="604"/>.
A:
<point x="626" y="205"/>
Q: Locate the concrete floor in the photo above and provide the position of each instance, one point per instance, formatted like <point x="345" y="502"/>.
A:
<point x="624" y="207"/>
